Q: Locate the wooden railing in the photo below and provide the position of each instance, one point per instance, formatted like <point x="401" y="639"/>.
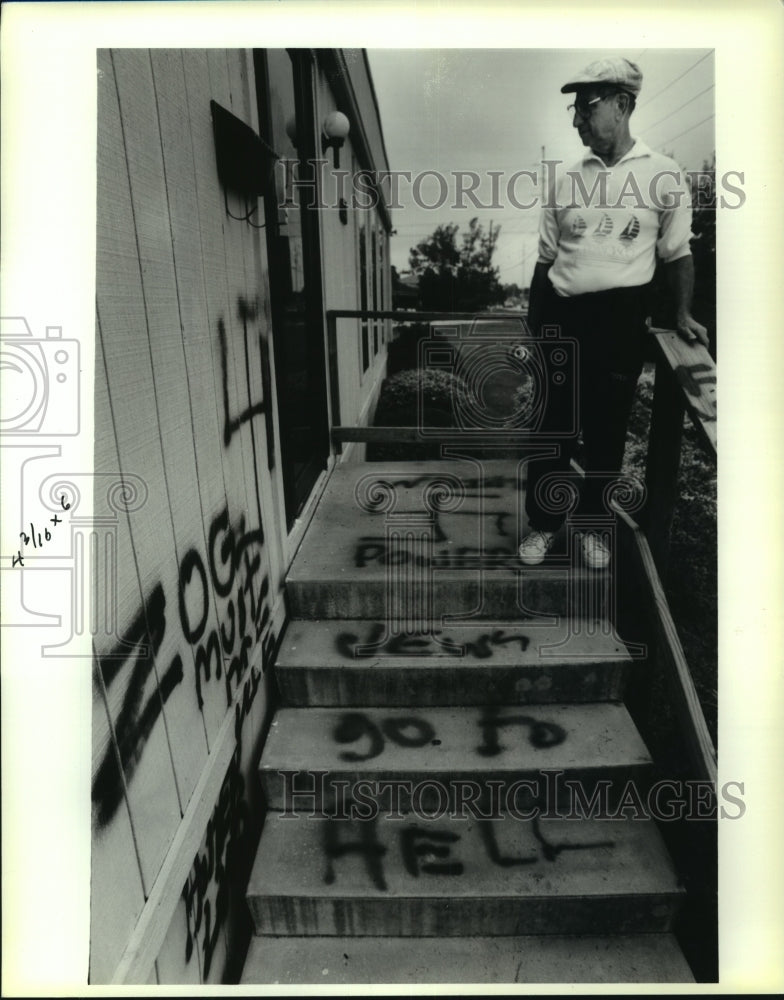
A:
<point x="685" y="383"/>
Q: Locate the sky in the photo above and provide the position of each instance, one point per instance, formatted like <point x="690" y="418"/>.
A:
<point x="486" y="110"/>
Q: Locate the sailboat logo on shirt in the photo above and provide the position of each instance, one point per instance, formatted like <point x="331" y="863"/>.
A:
<point x="604" y="227"/>
<point x="599" y="233"/>
<point x="632" y="229"/>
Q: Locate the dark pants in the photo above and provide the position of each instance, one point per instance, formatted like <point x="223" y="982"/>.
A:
<point x="609" y="329"/>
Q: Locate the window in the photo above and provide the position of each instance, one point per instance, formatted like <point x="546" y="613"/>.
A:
<point x="375" y="282"/>
<point x="363" y="290"/>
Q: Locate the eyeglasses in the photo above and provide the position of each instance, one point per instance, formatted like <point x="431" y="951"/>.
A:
<point x="585" y="108"/>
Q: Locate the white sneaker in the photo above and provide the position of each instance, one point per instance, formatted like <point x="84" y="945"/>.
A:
<point x="596" y="554"/>
<point x="535" y="546"/>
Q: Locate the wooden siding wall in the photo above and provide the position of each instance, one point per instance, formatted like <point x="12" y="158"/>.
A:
<point x="179" y="689"/>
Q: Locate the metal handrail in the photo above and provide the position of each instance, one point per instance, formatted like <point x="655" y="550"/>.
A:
<point x="414" y="316"/>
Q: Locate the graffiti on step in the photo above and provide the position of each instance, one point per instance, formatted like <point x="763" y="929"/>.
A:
<point x="372" y="549"/>
<point x="233" y="578"/>
<point x="482" y="647"/>
<point x="498" y="517"/>
<point x="220" y="867"/>
<point x="415" y="523"/>
<point x="231" y="424"/>
<point x="404" y="731"/>
<point x="414" y="732"/>
<point x="367" y="846"/>
<point x="437" y="852"/>
<point x="428" y="850"/>
<point x="541" y="734"/>
<point x="411" y="515"/>
<point x="473" y="486"/>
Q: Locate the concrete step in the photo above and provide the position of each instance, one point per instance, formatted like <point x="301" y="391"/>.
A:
<point x="476" y="595"/>
<point x="356" y="662"/>
<point x="459" y="877"/>
<point x="546" y="958"/>
<point x="439" y="753"/>
<point x="412" y="541"/>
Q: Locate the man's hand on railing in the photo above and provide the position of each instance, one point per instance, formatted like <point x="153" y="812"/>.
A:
<point x="680" y="278"/>
<point x="690" y="330"/>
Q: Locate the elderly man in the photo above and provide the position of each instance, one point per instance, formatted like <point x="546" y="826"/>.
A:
<point x="601" y="230"/>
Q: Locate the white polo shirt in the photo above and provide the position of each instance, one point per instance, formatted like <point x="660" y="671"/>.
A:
<point x="603" y="226"/>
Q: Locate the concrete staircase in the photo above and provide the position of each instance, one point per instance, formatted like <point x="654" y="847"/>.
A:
<point x="429" y="785"/>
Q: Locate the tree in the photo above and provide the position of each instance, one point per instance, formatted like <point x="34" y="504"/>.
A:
<point x="513" y="294"/>
<point x="456" y="278"/>
<point x="405" y="294"/>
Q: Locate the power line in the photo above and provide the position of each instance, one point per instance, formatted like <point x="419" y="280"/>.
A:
<point x="689" y="129"/>
<point x="667" y="87"/>
<point x="675" y="112"/>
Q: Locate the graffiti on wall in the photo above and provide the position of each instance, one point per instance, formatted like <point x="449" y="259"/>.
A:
<point x="135" y="721"/>
<point x="221" y="863"/>
<point x="234" y="558"/>
<point x="247" y="313"/>
<point x="231" y="576"/>
<point x="233" y="573"/>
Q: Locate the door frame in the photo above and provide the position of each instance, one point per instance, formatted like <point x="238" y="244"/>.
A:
<point x="298" y="490"/>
